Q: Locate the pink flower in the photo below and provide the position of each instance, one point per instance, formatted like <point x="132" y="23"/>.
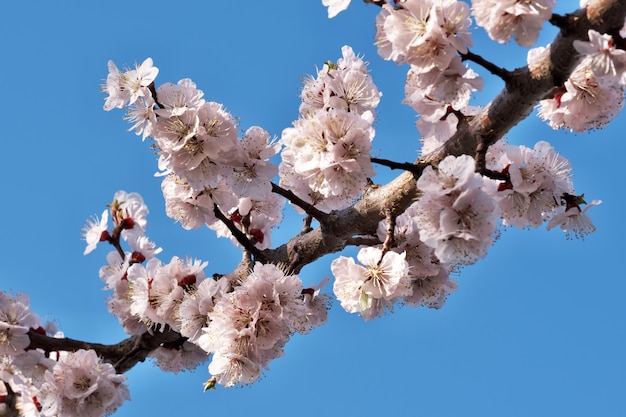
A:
<point x="80" y="385"/>
<point x="94" y="231"/>
<point x="586" y="102"/>
<point x="503" y="19"/>
<point x="126" y="87"/>
<point x="177" y="358"/>
<point x="574" y="221"/>
<point x="426" y="34"/>
<point x="13" y="339"/>
<point x="371" y="288"/>
<point x="604" y="58"/>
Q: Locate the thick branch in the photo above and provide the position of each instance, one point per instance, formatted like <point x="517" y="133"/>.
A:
<point x="123" y="355"/>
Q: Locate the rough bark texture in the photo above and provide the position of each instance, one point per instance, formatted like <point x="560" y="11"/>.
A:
<point x="522" y="92"/>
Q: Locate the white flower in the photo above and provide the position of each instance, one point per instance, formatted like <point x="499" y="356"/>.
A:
<point x="191" y="208"/>
<point x="385" y="277"/>
<point x="538" y="179"/>
<point x="604" y="58"/>
<point x="345" y="85"/>
<point x="585" y="103"/>
<point x="126" y="87"/>
<point x="453" y="174"/>
<point x="15" y="310"/>
<point x="13" y="339"/>
<point x="432" y="291"/>
<point x="177" y="98"/>
<point x="131" y="206"/>
<point x="196" y="305"/>
<point x="454" y="215"/>
<point x="451" y="87"/>
<point x="141" y="115"/>
<point x="177" y="358"/>
<point x="251" y="171"/>
<point x="80" y="385"/>
<point x="94" y="230"/>
<point x="335" y="6"/>
<point x="505" y="18"/>
<point x="574" y="221"/>
<point x="231" y="369"/>
<point x="158" y="290"/>
<point x="374" y="286"/>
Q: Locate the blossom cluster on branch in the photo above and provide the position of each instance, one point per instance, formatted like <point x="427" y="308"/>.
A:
<point x="446" y="213"/>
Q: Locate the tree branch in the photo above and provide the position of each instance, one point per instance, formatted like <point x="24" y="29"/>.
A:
<point x="407" y="166"/>
<point x="294" y="199"/>
<point x="504" y="74"/>
<point x="238" y="234"/>
<point x="123" y="355"/>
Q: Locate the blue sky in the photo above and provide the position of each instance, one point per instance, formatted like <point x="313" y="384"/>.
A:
<point x="537" y="328"/>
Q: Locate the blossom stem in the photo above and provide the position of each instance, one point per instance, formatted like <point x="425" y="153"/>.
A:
<point x="306" y="225"/>
<point x="152" y="89"/>
<point x="115" y="242"/>
<point x="389" y="240"/>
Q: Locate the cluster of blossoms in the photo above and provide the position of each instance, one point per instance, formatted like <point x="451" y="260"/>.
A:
<point x="408" y="273"/>
<point x="538" y="178"/>
<point x="429" y="36"/>
<point x="249" y="326"/>
<point x="455" y="215"/>
<point x="454" y="222"/>
<point x="206" y="167"/>
<point x="326" y="159"/>
<point x="594" y="93"/>
<point x="72" y="384"/>
<point x="539" y="189"/>
<point x="242" y="321"/>
<point x="503" y="19"/>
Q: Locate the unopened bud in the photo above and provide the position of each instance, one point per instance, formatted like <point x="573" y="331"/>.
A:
<point x="105" y="236"/>
<point x="127" y="223"/>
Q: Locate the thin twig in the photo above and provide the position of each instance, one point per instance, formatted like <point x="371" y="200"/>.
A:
<point x="238" y="234"/>
<point x="294" y="199"/>
<point x="379" y="3"/>
<point x="406" y="166"/>
<point x="306" y="224"/>
<point x="503" y="73"/>
<point x="389" y="238"/>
